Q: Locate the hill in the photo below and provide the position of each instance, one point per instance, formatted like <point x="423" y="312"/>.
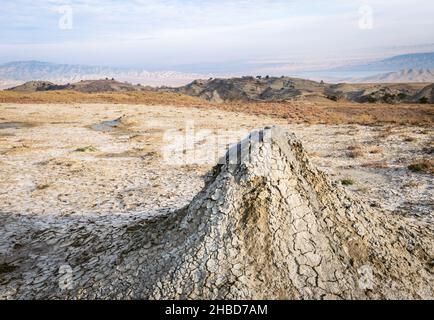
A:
<point x="272" y="89"/>
<point x="253" y="89"/>
<point x="87" y="86"/>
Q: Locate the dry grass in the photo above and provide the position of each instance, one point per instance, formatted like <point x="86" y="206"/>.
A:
<point x="384" y="133"/>
<point x="422" y="166"/>
<point x="407" y="138"/>
<point x="64" y="96"/>
<point x="376" y="165"/>
<point x="42" y="186"/>
<point x="347" y="182"/>
<point x="295" y="112"/>
<point x="86" y="149"/>
<point x="356" y="151"/>
<point x="375" y="150"/>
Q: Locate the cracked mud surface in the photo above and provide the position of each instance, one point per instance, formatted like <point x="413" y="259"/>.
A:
<point x="90" y="210"/>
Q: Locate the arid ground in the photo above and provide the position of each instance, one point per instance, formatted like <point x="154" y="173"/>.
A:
<point x="111" y="163"/>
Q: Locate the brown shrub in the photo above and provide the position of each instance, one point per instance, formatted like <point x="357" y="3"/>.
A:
<point x="422" y="166"/>
<point x="375" y="150"/>
<point x="376" y="165"/>
<point x="355" y="151"/>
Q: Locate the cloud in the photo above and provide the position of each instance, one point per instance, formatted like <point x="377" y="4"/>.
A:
<point x="179" y="32"/>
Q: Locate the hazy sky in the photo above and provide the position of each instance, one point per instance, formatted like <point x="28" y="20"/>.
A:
<point x="199" y="35"/>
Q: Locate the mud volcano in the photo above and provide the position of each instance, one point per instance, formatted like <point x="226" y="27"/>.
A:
<point x="267" y="225"/>
<point x="270" y="225"/>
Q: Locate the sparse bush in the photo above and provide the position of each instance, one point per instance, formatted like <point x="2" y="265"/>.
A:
<point x="42" y="186"/>
<point x="376" y="165"/>
<point x="422" y="166"/>
<point x="86" y="149"/>
<point x="347" y="182"/>
<point x="423" y="100"/>
<point x="355" y="151"/>
<point x="409" y="139"/>
<point x="375" y="150"/>
<point x="356" y="154"/>
<point x="371" y="99"/>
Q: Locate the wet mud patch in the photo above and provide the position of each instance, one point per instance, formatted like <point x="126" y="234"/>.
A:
<point x="107" y="126"/>
<point x="17" y="125"/>
<point x="120" y="125"/>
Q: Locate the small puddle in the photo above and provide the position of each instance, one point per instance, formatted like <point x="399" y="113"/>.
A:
<point x="109" y="126"/>
<point x="16" y="125"/>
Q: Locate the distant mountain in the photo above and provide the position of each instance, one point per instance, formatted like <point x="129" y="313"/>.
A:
<point x="64" y="73"/>
<point x="394" y="64"/>
<point x="403" y="76"/>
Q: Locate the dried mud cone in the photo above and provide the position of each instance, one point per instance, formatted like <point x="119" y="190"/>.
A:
<point x="271" y="226"/>
<point x="267" y="225"/>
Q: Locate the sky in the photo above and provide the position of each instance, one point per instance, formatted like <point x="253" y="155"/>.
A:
<point x="213" y="36"/>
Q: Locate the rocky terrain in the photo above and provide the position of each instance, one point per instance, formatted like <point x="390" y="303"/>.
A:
<point x="88" y="190"/>
<point x="274" y="89"/>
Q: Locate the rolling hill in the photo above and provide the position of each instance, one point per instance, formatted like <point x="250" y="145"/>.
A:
<point x="272" y="89"/>
<point x="85" y="86"/>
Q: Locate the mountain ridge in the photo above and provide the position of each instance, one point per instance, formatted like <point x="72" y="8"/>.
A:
<point x="394" y="63"/>
<point x="67" y="73"/>
<point x="402" y="76"/>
